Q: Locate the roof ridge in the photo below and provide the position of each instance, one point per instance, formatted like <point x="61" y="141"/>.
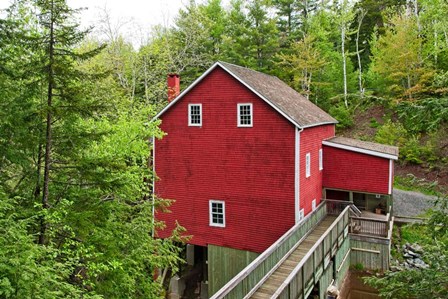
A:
<point x="249" y="69"/>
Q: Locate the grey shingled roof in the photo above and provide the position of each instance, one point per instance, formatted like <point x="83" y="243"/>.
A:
<point x="284" y="98"/>
<point x="371" y="146"/>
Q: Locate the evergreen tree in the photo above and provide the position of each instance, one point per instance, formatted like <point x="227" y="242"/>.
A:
<point x="74" y="156"/>
<point x="252" y="38"/>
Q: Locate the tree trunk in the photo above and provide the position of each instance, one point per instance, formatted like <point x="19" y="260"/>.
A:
<point x="38" y="172"/>
<point x="362" y="14"/>
<point x="344" y="63"/>
<point x="48" y="135"/>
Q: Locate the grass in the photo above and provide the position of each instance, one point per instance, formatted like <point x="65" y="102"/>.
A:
<point x="411" y="233"/>
<point x="412" y="183"/>
<point x="415" y="233"/>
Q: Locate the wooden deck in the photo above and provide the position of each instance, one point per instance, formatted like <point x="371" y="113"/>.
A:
<point x="268" y="288"/>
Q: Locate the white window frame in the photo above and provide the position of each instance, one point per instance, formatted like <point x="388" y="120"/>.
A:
<point x="313" y="204"/>
<point x="308" y="165"/>
<point x="239" y="115"/>
<point x="321" y="160"/>
<point x="189" y="115"/>
<point x="301" y="214"/>
<point x="211" y="223"/>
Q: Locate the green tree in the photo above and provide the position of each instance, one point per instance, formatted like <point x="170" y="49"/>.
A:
<point x="375" y="18"/>
<point x="251" y="38"/>
<point x="95" y="203"/>
<point x="434" y="24"/>
<point x="403" y="75"/>
<point x="262" y="34"/>
<point x="302" y="64"/>
<point x="429" y="282"/>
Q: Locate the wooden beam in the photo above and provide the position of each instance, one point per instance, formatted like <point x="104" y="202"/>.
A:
<point x="365" y="250"/>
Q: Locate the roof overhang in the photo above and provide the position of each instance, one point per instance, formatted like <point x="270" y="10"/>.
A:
<point x="360" y="150"/>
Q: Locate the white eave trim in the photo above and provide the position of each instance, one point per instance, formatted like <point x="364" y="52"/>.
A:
<point x="360" y="150"/>
<point x="320" y="124"/>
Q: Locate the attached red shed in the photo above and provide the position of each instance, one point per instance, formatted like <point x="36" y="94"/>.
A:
<point x="361" y="166"/>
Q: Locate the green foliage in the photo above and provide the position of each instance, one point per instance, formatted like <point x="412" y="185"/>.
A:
<point x="374" y="123"/>
<point x="304" y="62"/>
<point x="99" y="219"/>
<point x="430" y="282"/>
<point x="411" y="182"/>
<point x="414" y="234"/>
<point x="29" y="270"/>
<point x="358" y="267"/>
<point x="411" y="148"/>
<point x="343" y="116"/>
<point x="403" y="75"/>
<point x="424" y="115"/>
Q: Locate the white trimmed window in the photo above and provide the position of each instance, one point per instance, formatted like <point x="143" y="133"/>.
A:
<point x="217" y="213"/>
<point x="313" y="204"/>
<point x="194" y="114"/>
<point x="301" y="214"/>
<point x="321" y="160"/>
<point x="245" y="115"/>
<point x="308" y="165"/>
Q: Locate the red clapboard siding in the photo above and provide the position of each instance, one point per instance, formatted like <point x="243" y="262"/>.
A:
<point x="353" y="171"/>
<point x="311" y="142"/>
<point x="251" y="169"/>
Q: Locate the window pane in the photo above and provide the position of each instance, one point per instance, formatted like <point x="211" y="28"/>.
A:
<point x="195" y="114"/>
<point x="245" y="117"/>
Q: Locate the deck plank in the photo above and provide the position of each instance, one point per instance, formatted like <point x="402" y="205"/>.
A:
<point x="268" y="288"/>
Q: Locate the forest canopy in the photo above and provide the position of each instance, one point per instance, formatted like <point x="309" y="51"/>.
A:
<point x="76" y="209"/>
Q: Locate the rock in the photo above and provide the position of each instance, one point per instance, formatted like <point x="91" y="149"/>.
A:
<point x="410" y="252"/>
<point x="417" y="248"/>
<point x="407" y="256"/>
<point x="419" y="261"/>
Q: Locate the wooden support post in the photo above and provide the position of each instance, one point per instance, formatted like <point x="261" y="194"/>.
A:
<point x="303" y="282"/>
<point x="350" y="196"/>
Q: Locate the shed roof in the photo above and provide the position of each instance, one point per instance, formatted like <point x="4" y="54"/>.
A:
<point x="372" y="148"/>
<point x="288" y="102"/>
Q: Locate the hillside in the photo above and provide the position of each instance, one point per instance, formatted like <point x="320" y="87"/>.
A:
<point x="428" y="167"/>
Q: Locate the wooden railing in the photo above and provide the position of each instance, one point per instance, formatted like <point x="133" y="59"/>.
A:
<point x="371" y="227"/>
<point x="258" y="271"/>
<point x="335" y="207"/>
<point x="302" y="279"/>
<point x="368" y="226"/>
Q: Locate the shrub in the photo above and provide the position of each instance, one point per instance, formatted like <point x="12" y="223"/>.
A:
<point x="392" y="134"/>
<point x="411" y="148"/>
<point x="343" y="116"/>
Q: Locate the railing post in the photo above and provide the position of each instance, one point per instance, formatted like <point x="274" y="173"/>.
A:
<point x="303" y="283"/>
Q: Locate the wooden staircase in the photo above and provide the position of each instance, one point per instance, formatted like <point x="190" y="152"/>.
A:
<point x="274" y="281"/>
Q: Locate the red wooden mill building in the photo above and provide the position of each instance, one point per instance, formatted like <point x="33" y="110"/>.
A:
<point x="246" y="157"/>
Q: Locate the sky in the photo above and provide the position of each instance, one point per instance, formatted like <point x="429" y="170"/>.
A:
<point x="134" y="18"/>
